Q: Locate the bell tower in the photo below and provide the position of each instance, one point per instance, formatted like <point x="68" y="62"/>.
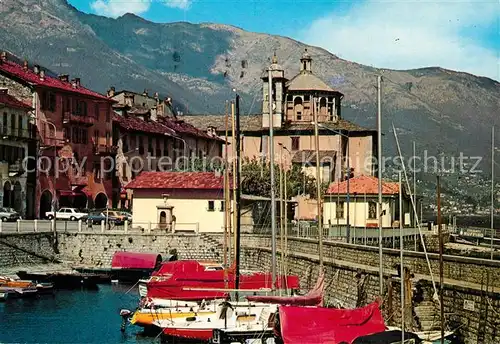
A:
<point x="278" y="88"/>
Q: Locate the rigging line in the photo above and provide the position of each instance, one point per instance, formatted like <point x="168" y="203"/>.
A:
<point x="412" y="198"/>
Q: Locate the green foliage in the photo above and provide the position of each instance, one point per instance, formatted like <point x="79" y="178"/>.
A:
<point x="256" y="180"/>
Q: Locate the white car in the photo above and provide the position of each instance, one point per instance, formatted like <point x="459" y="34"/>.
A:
<point x="67" y="214"/>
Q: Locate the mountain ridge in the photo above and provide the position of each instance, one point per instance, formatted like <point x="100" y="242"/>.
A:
<point x="199" y="65"/>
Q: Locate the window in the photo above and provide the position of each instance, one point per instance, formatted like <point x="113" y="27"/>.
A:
<point x="295" y="143"/>
<point x="84" y="135"/>
<point x="211" y="205"/>
<point x="67" y="104"/>
<point x="150" y="146"/>
<point x="141" y="145"/>
<point x="124" y="171"/>
<point x="165" y="147"/>
<point x="222" y="206"/>
<point x="108" y="114"/>
<point x="52" y="102"/>
<point x="20" y="125"/>
<point x="96" y="136"/>
<point x="12" y="123"/>
<point x="125" y="144"/>
<point x="96" y="110"/>
<point x="340" y="210"/>
<point x="133" y="142"/>
<point x="372" y="210"/>
<point x="4" y="123"/>
<point x="108" y="138"/>
<point x="158" y="147"/>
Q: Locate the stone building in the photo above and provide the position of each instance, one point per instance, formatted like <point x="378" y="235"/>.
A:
<point x="18" y="140"/>
<point x="150" y="137"/>
<point x="73" y="124"/>
<point x="295" y="103"/>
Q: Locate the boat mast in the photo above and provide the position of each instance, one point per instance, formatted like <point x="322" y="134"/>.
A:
<point x="318" y="187"/>
<point x="379" y="159"/>
<point x="492" y="187"/>
<point x="273" y="186"/>
<point x="227" y="218"/>
<point x="440" y="234"/>
<point x="238" y="197"/>
<point x="401" y="260"/>
<point x="233" y="227"/>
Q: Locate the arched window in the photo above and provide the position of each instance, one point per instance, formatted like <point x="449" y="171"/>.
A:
<point x="322" y="107"/>
<point x="298" y="108"/>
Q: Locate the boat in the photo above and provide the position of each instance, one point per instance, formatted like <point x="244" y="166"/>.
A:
<point x="244" y="316"/>
<point x="328" y="325"/>
<point x="145" y="316"/>
<point x="127" y="267"/>
<point x="42" y="288"/>
<point x="190" y="280"/>
<point x="62" y="280"/>
<point x="18" y="292"/>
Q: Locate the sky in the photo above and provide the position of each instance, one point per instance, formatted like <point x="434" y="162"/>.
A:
<point x="454" y="34"/>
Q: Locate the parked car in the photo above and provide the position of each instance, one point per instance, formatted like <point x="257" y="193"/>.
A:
<point x="9" y="214"/>
<point x="123" y="216"/>
<point x="71" y="214"/>
<point x="97" y="217"/>
<point x="127" y="215"/>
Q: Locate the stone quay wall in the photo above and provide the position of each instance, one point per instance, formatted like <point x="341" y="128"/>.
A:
<point x="97" y="249"/>
<point x="25" y="249"/>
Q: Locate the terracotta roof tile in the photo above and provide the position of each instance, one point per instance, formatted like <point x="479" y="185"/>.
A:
<point x="253" y="123"/>
<point x="15" y="70"/>
<point x="133" y="123"/>
<point x="363" y="185"/>
<point x="177" y="180"/>
<point x="13" y="102"/>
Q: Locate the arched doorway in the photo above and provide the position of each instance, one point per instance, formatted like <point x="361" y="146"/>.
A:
<point x="80" y="201"/>
<point x="101" y="201"/>
<point x="7" y="195"/>
<point x="322" y="107"/>
<point x="163" y="220"/>
<point x="17" y="198"/>
<point x="45" y="203"/>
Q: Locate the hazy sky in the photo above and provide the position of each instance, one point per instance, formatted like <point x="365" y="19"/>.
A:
<point x="458" y="35"/>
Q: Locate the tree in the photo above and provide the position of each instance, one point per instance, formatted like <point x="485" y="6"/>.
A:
<point x="256" y="180"/>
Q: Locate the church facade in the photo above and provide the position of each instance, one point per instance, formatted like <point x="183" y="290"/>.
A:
<point x="296" y="102"/>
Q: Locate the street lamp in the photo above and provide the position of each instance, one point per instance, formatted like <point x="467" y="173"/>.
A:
<point x="348" y="232"/>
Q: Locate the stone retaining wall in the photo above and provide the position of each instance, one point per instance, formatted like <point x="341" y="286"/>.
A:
<point x="26" y="249"/>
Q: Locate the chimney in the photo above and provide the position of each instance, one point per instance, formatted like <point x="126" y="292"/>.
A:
<point x="168" y="100"/>
<point x="111" y="92"/>
<point x="64" y="77"/>
<point x="3" y="56"/>
<point x="73" y="83"/>
<point x="36" y="69"/>
<point x="145" y="93"/>
<point x="77" y="81"/>
<point x="25" y="65"/>
<point x="42" y="75"/>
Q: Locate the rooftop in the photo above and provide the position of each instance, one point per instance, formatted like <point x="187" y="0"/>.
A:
<point x="307" y="82"/>
<point x="133" y="123"/>
<point x="253" y="123"/>
<point x="177" y="180"/>
<point x="363" y="185"/>
<point x="27" y="75"/>
<point x="12" y="102"/>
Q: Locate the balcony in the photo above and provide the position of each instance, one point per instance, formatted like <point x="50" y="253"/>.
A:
<point x="16" y="169"/>
<point x="88" y="120"/>
<point x="105" y="150"/>
<point x="7" y="133"/>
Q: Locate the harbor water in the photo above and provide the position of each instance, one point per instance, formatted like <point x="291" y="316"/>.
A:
<point x="71" y="316"/>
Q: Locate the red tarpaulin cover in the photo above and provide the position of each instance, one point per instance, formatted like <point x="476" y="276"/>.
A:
<point x="181" y="275"/>
<point x="134" y="260"/>
<point x="313" y="298"/>
<point x="320" y="325"/>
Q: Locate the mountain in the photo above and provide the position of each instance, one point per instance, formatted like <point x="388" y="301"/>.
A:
<point x="445" y="112"/>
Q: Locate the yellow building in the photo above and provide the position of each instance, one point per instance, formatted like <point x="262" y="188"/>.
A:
<point x="363" y="199"/>
<point x="189" y="201"/>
